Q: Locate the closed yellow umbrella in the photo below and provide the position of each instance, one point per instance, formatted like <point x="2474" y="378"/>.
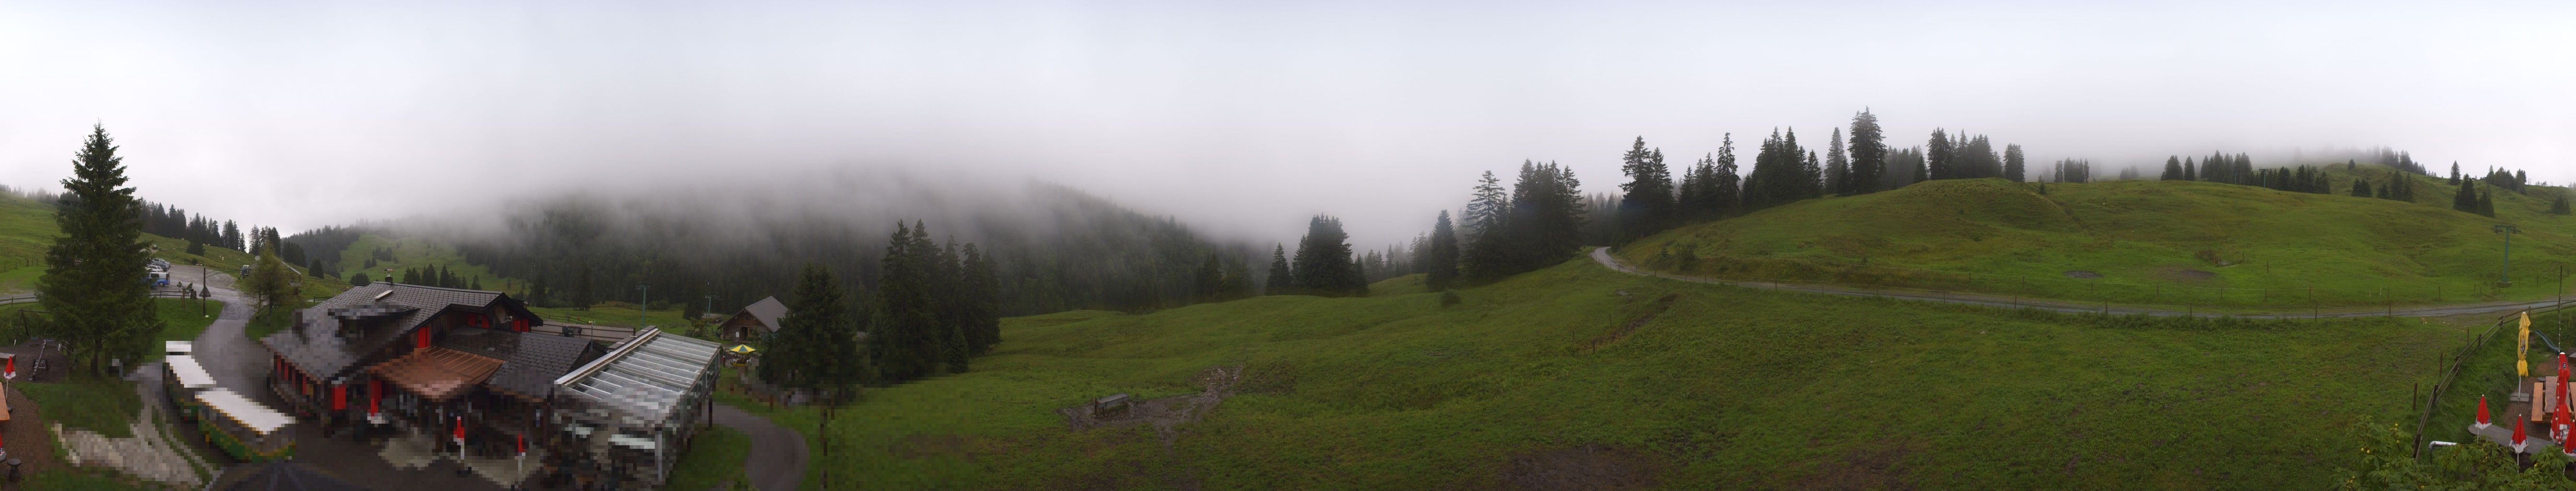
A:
<point x="2522" y="345"/>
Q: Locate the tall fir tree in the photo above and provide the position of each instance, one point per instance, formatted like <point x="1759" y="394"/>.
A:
<point x="906" y="340"/>
<point x="1868" y="148"/>
<point x="2173" y="169"/>
<point x="2013" y="165"/>
<point x="1837" y="165"/>
<point x="1726" y="190"/>
<point x="1936" y="155"/>
<point x="2466" y="199"/>
<point x="1441" y="261"/>
<point x="2360" y="186"/>
<point x="2486" y="203"/>
<point x="2188" y="174"/>
<point x="1323" y="261"/>
<point x="817" y="347"/>
<point x="100" y="308"/>
<point x="1648" y="205"/>
<point x="1282" y="280"/>
<point x="1486" y="254"/>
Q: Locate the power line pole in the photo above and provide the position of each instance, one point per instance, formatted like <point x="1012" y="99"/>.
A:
<point x="2503" y="274"/>
<point x="639" y="307"/>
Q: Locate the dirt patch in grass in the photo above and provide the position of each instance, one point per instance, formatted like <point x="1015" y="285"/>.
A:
<point x="1586" y="468"/>
<point x="2185" y="275"/>
<point x="28" y="441"/>
<point x="1165" y="413"/>
<point x="2083" y="275"/>
<point x="1605" y="339"/>
<point x="1880" y="466"/>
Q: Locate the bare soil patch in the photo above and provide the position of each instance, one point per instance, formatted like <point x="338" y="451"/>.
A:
<point x="2183" y="274"/>
<point x="25" y="435"/>
<point x="1215" y="384"/>
<point x="1583" y="468"/>
<point x="1605" y="339"/>
<point x="2083" y="275"/>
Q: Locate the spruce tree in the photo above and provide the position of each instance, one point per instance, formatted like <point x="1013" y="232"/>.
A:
<point x="2486" y="203"/>
<point x="2173" y="169"/>
<point x="1648" y="205"/>
<point x="2188" y="174"/>
<point x="1837" y="165"/>
<point x="1868" y="148"/>
<point x="906" y="340"/>
<point x="1441" y="262"/>
<point x="1282" y="280"/>
<point x="948" y="306"/>
<point x="2360" y="187"/>
<point x="1323" y="261"/>
<point x="2558" y="206"/>
<point x="817" y="344"/>
<point x="2467" y="199"/>
<point x="1689" y="197"/>
<point x="2013" y="165"/>
<point x="2455" y="173"/>
<point x="1726" y="192"/>
<point x="1936" y="155"/>
<point x="100" y="307"/>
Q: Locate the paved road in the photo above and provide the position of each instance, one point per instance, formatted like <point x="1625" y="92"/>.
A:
<point x="1602" y="255"/>
<point x="237" y="362"/>
<point x="777" y="458"/>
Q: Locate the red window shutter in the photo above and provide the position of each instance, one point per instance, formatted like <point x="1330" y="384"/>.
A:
<point x="339" y="397"/>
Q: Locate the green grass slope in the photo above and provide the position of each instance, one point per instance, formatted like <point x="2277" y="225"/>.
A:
<point x="1731" y="388"/>
<point x="2160" y="242"/>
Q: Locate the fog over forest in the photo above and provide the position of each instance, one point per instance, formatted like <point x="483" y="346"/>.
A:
<point x="1239" y="120"/>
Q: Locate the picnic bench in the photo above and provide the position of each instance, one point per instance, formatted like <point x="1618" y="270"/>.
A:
<point x="1113" y="402"/>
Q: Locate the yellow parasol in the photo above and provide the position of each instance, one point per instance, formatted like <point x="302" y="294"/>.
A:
<point x="742" y="349"/>
<point x="2521" y="346"/>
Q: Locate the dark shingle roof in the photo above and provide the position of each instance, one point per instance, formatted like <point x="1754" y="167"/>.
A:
<point x="538" y="359"/>
<point x="767" y="311"/>
<point x="318" y="345"/>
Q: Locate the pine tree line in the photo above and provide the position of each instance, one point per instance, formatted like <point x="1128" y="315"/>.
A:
<point x="2071" y="170"/>
<point x="1537" y="223"/>
<point x="1323" y="265"/>
<point x="1963" y="156"/>
<point x="936" y="306"/>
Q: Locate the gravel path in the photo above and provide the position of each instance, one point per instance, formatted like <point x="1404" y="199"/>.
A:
<point x="1602" y="255"/>
<point x="777" y="458"/>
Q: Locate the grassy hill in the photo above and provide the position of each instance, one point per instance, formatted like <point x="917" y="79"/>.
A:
<point x="1539" y="379"/>
<point x="27" y="229"/>
<point x="2162" y="242"/>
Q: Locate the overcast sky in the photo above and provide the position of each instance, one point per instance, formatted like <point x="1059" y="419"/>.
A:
<point x="1240" y="117"/>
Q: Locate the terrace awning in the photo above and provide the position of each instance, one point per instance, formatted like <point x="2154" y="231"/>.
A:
<point x="437" y="373"/>
<point x="646" y="378"/>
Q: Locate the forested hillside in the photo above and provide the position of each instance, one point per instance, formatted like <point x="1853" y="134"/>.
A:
<point x="1055" y="248"/>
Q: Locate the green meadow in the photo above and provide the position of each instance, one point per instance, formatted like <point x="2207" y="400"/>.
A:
<point x="1560" y="372"/>
<point x="2172" y="243"/>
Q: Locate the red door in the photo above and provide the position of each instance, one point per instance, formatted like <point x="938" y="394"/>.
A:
<point x="421" y="337"/>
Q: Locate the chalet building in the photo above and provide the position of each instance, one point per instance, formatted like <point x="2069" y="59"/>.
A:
<point x="390" y="357"/>
<point x="754" y="321"/>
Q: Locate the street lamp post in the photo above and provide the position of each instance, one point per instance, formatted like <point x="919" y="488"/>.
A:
<point x="2504" y="275"/>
